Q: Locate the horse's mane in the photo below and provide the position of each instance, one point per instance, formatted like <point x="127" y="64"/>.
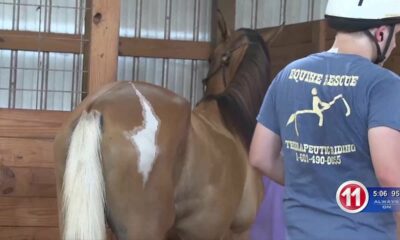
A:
<point x="240" y="102"/>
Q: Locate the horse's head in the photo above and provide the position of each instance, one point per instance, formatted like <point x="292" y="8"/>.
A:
<point x="224" y="62"/>
<point x="238" y="78"/>
<point x="231" y="54"/>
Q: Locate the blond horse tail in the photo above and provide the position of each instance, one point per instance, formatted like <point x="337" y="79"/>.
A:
<point x="83" y="186"/>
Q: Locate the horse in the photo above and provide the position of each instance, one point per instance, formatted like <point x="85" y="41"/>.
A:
<point x="136" y="157"/>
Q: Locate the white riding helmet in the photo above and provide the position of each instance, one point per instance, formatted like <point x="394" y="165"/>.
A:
<point x="358" y="15"/>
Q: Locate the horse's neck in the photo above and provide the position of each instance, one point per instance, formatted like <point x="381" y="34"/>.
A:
<point x="208" y="114"/>
<point x="209" y="110"/>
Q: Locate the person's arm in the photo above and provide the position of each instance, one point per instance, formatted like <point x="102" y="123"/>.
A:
<point x="384" y="145"/>
<point x="265" y="154"/>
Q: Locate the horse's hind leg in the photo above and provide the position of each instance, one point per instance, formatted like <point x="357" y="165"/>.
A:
<point x="136" y="209"/>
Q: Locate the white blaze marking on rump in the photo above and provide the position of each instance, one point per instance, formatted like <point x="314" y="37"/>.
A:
<point x="144" y="137"/>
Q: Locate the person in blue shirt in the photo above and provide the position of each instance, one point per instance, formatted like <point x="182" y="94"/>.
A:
<point x="334" y="117"/>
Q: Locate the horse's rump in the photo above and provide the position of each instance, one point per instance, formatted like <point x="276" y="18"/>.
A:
<point x="143" y="128"/>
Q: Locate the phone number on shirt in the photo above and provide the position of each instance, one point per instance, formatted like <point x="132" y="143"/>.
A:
<point x="318" y="159"/>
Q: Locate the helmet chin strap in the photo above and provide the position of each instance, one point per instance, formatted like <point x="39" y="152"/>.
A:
<point x="380" y="57"/>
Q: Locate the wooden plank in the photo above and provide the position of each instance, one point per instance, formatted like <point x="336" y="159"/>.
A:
<point x="285" y="54"/>
<point x="137" y="47"/>
<point x="393" y="63"/>
<point x="291" y="34"/>
<point x="27" y="182"/>
<point x="29" y="233"/>
<point x="164" y="48"/>
<point x="35" y="41"/>
<point x="214" y="23"/>
<point x="319" y="34"/>
<point x="101" y="55"/>
<point x="296" y="41"/>
<point x="330" y="32"/>
<point x="34" y="233"/>
<point x="228" y="10"/>
<point x="30" y="123"/>
<point x="21" y="152"/>
<point x="28" y="212"/>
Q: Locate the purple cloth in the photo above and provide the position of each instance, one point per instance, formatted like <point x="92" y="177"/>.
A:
<point x="270" y="222"/>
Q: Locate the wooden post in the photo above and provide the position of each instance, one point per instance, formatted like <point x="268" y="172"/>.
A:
<point x="101" y="51"/>
<point x="228" y="10"/>
<point x="319" y="35"/>
<point x="214" y="24"/>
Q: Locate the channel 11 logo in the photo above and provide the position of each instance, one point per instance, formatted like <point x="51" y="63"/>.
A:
<point x="352" y="196"/>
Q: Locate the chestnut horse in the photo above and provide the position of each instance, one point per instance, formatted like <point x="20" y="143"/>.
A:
<point x="135" y="156"/>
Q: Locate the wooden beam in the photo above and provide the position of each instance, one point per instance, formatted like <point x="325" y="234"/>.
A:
<point x="319" y="35"/>
<point x="214" y="23"/>
<point x="29" y="233"/>
<point x="34" y="41"/>
<point x="135" y="47"/>
<point x="164" y="48"/>
<point x="393" y="63"/>
<point x="24" y="152"/>
<point x="30" y="123"/>
<point x="228" y="9"/>
<point x="101" y="55"/>
<point x="27" y="182"/>
<point x="28" y="212"/>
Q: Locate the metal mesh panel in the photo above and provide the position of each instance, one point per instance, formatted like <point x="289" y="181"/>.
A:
<point x="52" y="81"/>
<point x="184" y="77"/>
<point x="41" y="80"/>
<point x="166" y="19"/>
<point x="266" y="13"/>
<point x="5" y="72"/>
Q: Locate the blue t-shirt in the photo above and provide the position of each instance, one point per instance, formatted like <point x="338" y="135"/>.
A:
<point x="322" y="107"/>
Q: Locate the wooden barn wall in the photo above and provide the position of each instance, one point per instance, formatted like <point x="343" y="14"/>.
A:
<point x="28" y="203"/>
<point x="28" y="199"/>
<point x="299" y="40"/>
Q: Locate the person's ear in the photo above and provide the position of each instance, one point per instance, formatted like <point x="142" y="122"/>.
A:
<point x="380" y="33"/>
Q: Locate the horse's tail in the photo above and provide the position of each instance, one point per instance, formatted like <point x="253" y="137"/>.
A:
<point x="83" y="185"/>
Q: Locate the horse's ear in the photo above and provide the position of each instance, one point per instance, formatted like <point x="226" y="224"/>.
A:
<point x="223" y="29"/>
